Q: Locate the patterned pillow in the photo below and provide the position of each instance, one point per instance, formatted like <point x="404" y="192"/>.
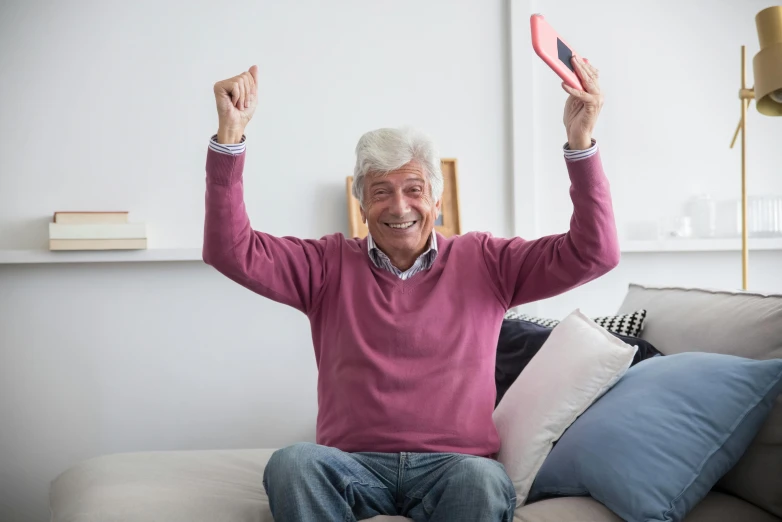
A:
<point x="626" y="324"/>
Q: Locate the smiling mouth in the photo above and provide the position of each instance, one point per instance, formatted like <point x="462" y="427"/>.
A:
<point x="401" y="226"/>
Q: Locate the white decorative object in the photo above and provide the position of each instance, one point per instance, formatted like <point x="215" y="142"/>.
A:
<point x="702" y="212"/>
<point x="676" y="227"/>
<point x="577" y="364"/>
<point x="728" y="223"/>
<point x="764" y="217"/>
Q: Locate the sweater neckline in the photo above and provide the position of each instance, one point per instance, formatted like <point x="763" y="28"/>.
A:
<point x="397" y="281"/>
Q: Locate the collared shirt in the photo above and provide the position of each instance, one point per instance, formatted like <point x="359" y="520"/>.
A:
<point x="378" y="257"/>
<point x="424" y="261"/>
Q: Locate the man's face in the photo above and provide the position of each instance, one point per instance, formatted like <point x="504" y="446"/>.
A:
<point x="399" y="210"/>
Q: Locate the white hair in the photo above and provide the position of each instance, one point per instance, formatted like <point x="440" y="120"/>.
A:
<point x="384" y="150"/>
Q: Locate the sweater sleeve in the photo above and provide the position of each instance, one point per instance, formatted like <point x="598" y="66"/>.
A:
<point x="287" y="270"/>
<point x="529" y="270"/>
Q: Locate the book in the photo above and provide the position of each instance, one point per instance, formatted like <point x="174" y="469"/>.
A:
<point x="98" y="231"/>
<point x="97" y="244"/>
<point x="78" y="218"/>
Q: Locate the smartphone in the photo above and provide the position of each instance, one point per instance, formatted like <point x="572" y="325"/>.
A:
<point x="553" y="50"/>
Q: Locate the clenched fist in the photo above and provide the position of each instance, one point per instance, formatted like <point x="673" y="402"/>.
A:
<point x="236" y="99"/>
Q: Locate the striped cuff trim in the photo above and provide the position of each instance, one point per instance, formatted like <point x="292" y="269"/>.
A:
<point x="574" y="155"/>
<point x="226" y="148"/>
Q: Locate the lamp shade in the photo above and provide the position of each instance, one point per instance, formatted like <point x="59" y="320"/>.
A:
<point x="767" y="64"/>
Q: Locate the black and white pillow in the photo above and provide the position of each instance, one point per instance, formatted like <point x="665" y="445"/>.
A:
<point x="630" y="325"/>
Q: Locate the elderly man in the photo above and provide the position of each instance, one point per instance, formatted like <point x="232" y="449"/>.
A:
<point x="405" y="322"/>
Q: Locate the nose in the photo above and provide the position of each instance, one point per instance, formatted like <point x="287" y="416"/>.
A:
<point x="398" y="206"/>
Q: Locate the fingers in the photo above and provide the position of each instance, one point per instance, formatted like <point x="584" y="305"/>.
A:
<point x="587" y="74"/>
<point x="587" y="80"/>
<point x="234" y="91"/>
<point x="571" y="91"/>
<point x="254" y="74"/>
<point x="249" y="88"/>
<point x="245" y="92"/>
<point x="592" y="69"/>
<point x="240" y="93"/>
<point x="242" y="90"/>
<point x="244" y="84"/>
<point x="588" y="99"/>
<point x="252" y="80"/>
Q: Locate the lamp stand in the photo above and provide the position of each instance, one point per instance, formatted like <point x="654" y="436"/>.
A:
<point x="746" y="96"/>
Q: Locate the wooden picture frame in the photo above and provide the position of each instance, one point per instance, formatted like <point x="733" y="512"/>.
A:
<point x="448" y="224"/>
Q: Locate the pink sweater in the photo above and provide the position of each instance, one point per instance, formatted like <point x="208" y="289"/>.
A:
<point x="407" y="365"/>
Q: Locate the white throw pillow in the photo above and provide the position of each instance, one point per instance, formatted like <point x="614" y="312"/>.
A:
<point x="578" y="363"/>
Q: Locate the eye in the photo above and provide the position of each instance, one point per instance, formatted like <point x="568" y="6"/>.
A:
<point x="415" y="190"/>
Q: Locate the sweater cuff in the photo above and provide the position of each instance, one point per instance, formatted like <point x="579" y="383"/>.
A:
<point x="224" y="169"/>
<point x="586" y="172"/>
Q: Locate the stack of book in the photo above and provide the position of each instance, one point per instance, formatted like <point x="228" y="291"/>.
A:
<point x="96" y="231"/>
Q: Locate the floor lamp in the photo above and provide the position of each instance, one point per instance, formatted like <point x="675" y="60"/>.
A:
<point x="767" y="69"/>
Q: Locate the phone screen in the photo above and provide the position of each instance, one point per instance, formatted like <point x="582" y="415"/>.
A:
<point x="565" y="54"/>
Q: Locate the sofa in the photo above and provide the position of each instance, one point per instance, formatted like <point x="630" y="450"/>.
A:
<point x="201" y="486"/>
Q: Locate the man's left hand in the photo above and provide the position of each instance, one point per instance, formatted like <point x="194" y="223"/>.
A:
<point x="582" y="107"/>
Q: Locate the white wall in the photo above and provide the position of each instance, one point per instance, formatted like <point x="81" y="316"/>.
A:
<point x="670" y="74"/>
<point x="109" y="105"/>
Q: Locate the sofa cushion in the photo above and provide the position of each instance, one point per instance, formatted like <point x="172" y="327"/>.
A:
<point x="748" y="324"/>
<point x="716" y="507"/>
<point x="577" y="364"/>
<point x="625" y="324"/>
<point x="657" y="442"/>
<point x="520" y="340"/>
<point x="719" y="507"/>
<point x="757" y="477"/>
<point x="175" y="486"/>
<point x="195" y="485"/>
<point x="696" y="320"/>
<point x="565" y="509"/>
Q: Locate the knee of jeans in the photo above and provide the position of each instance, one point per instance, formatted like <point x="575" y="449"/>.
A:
<point x="485" y="474"/>
<point x="288" y="462"/>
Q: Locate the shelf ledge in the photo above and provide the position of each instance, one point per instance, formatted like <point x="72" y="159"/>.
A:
<point x="99" y="256"/>
<point x="699" y="245"/>
<point x="8" y="257"/>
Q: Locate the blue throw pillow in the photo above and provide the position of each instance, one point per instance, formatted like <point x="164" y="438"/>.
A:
<point x="653" y="446"/>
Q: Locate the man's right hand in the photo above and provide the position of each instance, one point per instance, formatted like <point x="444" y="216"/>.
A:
<point x="236" y="99"/>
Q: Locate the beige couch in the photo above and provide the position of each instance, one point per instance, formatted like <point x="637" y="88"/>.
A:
<point x="206" y="486"/>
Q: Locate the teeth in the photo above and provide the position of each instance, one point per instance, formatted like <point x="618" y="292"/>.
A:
<point x="401" y="225"/>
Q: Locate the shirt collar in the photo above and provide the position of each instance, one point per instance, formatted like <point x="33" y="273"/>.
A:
<point x="374" y="250"/>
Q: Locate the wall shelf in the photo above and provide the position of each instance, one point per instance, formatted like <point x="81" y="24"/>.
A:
<point x="99" y="256"/>
<point x="41" y="256"/>
<point x="699" y="245"/>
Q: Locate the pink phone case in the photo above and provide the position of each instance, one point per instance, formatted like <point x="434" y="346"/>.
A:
<point x="553" y="50"/>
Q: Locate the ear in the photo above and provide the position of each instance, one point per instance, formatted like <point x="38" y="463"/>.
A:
<point x="439" y="207"/>
<point x="363" y="216"/>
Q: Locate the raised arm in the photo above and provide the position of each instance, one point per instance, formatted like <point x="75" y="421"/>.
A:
<point x="525" y="271"/>
<point x="288" y="270"/>
<point x="529" y="270"/>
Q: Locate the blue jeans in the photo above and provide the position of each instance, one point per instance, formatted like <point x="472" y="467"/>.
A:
<point x="312" y="483"/>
